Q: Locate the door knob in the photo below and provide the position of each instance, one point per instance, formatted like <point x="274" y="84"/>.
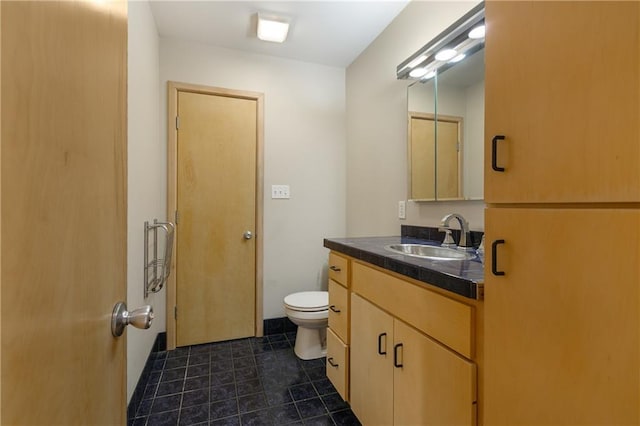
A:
<point x="139" y="318"/>
<point x="247" y="235"/>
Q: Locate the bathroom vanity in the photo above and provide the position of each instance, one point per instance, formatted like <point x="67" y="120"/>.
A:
<point x="404" y="339"/>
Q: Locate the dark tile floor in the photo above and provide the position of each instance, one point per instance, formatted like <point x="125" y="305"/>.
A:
<point x="253" y="381"/>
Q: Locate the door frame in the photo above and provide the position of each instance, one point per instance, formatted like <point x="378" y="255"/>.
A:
<point x="173" y="88"/>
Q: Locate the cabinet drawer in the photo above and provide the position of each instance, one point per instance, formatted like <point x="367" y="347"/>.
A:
<point x="339" y="310"/>
<point x="338" y="364"/>
<point x="444" y="319"/>
<point x="339" y="269"/>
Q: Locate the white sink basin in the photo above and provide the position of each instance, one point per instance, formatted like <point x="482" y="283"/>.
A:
<point x="430" y="252"/>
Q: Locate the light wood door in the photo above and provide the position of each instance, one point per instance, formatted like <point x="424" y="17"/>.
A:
<point x="566" y="99"/>
<point x="371" y="386"/>
<point x="422" y="151"/>
<point x="435" y="166"/>
<point x="433" y="386"/>
<point x="562" y="325"/>
<point x="448" y="161"/>
<point x="216" y="200"/>
<point x="64" y="230"/>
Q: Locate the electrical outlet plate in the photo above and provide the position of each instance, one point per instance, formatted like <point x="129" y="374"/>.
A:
<point x="402" y="211"/>
<point x="280" y="191"/>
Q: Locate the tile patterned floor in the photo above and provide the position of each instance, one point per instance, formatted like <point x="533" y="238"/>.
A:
<point x="253" y="381"/>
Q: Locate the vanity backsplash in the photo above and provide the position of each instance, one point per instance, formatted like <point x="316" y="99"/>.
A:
<point x="432" y="234"/>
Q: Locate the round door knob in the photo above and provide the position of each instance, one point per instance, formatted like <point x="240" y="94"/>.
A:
<point x="139" y="318"/>
<point x="247" y="235"/>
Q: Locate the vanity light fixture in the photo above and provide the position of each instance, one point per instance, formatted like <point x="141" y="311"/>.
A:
<point x="272" y="28"/>
<point x="461" y="39"/>
<point x="477" y="32"/>
<point x="446" y="54"/>
<point x="458" y="58"/>
<point x="418" y="72"/>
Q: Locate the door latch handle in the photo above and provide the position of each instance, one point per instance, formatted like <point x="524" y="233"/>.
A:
<point x="139" y="318"/>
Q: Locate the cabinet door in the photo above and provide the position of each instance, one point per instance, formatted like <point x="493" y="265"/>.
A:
<point x="371" y="363"/>
<point x="339" y="310"/>
<point x="562" y="324"/>
<point x="562" y="86"/>
<point x="338" y="364"/>
<point x="432" y="385"/>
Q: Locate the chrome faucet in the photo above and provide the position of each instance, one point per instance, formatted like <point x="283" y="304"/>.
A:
<point x="465" y="237"/>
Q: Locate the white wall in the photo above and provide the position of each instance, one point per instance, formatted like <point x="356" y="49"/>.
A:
<point x="304" y="141"/>
<point x="377" y="127"/>
<point x="146" y="180"/>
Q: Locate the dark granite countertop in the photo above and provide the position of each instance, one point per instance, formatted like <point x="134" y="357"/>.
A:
<point x="463" y="277"/>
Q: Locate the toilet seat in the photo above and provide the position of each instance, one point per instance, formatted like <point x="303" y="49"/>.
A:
<point x="308" y="301"/>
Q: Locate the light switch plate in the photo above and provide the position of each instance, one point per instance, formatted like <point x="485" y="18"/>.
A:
<point x="280" y="191"/>
<point x="402" y="211"/>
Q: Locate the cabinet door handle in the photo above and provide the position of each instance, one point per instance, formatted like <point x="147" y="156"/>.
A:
<point x="380" y="351"/>
<point x="395" y="355"/>
<point x="494" y="257"/>
<point x="335" y="268"/>
<point x="333" y="308"/>
<point x="331" y="363"/>
<point x="494" y="153"/>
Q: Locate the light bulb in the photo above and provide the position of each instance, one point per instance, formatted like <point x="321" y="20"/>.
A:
<point x="477" y="32"/>
<point x="418" y="72"/>
<point x="446" y="54"/>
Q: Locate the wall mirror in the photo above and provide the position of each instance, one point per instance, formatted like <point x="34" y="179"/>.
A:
<point x="445" y="113"/>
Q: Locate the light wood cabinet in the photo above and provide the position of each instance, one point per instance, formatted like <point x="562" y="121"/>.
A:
<point x="371" y="363"/>
<point x="562" y="326"/>
<point x="434" y="386"/>
<point x="562" y="288"/>
<point x="339" y="310"/>
<point x="401" y="376"/>
<point x="562" y="84"/>
<point x="338" y="361"/>
<point x="339" y="269"/>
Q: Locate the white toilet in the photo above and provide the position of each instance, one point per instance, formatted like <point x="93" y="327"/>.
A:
<point x="309" y="310"/>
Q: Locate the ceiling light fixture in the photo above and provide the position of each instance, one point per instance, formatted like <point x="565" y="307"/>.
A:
<point x="461" y="39"/>
<point x="272" y="28"/>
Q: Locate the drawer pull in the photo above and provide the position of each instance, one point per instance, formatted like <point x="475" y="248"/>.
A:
<point x="494" y="153"/>
<point x="380" y="351"/>
<point x="331" y="363"/>
<point x="333" y="308"/>
<point x="395" y="355"/>
<point x="494" y="257"/>
<point x="335" y="268"/>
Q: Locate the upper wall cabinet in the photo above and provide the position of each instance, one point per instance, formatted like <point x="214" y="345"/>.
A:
<point x="445" y="113"/>
<point x="562" y="102"/>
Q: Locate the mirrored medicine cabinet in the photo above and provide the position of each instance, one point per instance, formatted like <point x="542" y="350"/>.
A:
<point x="445" y="113"/>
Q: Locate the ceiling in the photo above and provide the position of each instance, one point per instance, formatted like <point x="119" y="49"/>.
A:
<point x="331" y="33"/>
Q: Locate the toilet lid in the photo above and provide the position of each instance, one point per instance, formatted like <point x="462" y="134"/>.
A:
<point x="308" y="301"/>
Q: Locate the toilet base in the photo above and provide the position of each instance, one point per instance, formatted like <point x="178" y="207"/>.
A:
<point x="311" y="343"/>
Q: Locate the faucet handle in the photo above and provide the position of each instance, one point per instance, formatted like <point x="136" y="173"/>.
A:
<point x="448" y="238"/>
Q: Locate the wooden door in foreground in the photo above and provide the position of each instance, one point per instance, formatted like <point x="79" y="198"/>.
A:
<point x="64" y="212"/>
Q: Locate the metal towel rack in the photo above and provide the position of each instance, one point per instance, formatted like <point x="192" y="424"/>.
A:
<point x="156" y="270"/>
